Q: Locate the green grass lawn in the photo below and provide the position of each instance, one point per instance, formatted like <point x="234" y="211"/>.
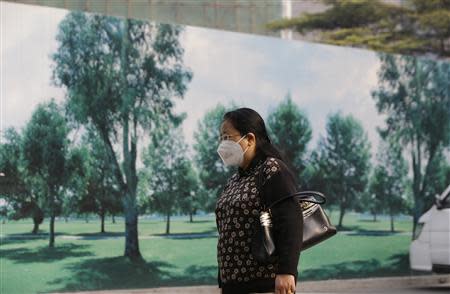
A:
<point x="29" y="266"/>
<point x="202" y="224"/>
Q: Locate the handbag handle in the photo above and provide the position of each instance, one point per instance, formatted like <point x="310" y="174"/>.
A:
<point x="308" y="196"/>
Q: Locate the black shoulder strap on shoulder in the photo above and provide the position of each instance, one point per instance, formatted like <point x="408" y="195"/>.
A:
<point x="308" y="196"/>
<point x="260" y="187"/>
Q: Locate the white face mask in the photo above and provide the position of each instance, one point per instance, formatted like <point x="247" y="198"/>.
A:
<point x="231" y="152"/>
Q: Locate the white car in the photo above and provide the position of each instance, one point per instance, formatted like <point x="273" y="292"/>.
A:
<point x="430" y="249"/>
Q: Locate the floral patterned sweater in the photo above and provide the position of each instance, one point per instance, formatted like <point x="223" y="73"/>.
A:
<point x="237" y="214"/>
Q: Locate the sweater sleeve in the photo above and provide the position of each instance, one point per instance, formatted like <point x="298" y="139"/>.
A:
<point x="219" y="281"/>
<point x="287" y="216"/>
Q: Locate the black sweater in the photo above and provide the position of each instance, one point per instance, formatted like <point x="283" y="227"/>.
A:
<point x="237" y="212"/>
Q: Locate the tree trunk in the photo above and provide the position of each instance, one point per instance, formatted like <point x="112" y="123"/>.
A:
<point x="131" y="230"/>
<point x="38" y="218"/>
<point x="86" y="219"/>
<point x="113" y="219"/>
<point x="102" y="218"/>
<point x="418" y="205"/>
<point x="416" y="166"/>
<point x="191" y="220"/>
<point x="374" y="217"/>
<point x="341" y="216"/>
<point x="52" y="221"/>
<point x="35" y="226"/>
<point x="168" y="224"/>
<point x="52" y="230"/>
<point x="129" y="145"/>
<point x="392" y="222"/>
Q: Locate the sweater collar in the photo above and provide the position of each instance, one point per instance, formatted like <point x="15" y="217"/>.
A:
<point x="258" y="158"/>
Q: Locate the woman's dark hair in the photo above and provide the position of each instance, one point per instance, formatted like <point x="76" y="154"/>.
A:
<point x="247" y="120"/>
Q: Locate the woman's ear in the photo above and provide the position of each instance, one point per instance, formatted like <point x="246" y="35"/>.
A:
<point x="251" y="138"/>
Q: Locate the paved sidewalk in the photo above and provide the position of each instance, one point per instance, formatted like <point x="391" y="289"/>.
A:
<point x="432" y="283"/>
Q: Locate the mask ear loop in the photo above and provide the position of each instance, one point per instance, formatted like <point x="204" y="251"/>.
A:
<point x="240" y="141"/>
<point x="242" y="138"/>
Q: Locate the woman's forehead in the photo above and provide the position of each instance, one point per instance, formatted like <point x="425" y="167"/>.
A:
<point x="226" y="127"/>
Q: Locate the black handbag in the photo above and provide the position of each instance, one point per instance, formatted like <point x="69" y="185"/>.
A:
<point x="316" y="224"/>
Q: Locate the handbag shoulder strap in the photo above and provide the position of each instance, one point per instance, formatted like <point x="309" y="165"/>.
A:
<point x="260" y="187"/>
<point x="308" y="196"/>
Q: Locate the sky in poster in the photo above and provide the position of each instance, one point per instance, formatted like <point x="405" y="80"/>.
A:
<point x="255" y="71"/>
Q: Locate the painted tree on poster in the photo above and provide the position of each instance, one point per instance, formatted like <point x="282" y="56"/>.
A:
<point x="388" y="180"/>
<point x="22" y="196"/>
<point x="121" y="77"/>
<point x="48" y="159"/>
<point x="414" y="95"/>
<point x="167" y="178"/>
<point x="100" y="192"/>
<point x="343" y="161"/>
<point x="213" y="173"/>
<point x="291" y="131"/>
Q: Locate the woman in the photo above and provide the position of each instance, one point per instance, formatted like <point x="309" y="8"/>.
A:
<point x="244" y="143"/>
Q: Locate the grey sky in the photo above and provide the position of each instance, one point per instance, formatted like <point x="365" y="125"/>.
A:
<point x="255" y="71"/>
<point x="260" y="71"/>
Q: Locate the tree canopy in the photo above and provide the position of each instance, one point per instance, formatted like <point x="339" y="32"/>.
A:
<point x="414" y="27"/>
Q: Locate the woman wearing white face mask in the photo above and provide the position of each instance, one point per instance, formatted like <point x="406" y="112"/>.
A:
<point x="244" y="144"/>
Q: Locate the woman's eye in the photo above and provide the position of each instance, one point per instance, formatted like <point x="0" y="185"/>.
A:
<point x="224" y="137"/>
